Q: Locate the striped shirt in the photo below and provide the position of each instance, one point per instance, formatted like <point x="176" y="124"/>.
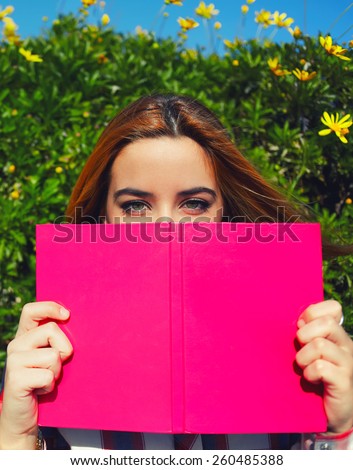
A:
<point x="118" y="440"/>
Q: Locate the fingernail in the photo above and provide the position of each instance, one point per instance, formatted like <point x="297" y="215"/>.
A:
<point x="300" y="323"/>
<point x="64" y="313"/>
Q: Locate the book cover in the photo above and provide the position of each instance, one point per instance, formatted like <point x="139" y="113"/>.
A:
<point x="182" y="327"/>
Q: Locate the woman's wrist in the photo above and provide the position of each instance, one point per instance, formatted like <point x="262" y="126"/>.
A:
<point x="342" y="428"/>
<point x="10" y="441"/>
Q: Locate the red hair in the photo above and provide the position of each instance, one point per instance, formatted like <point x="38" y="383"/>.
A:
<point x="244" y="191"/>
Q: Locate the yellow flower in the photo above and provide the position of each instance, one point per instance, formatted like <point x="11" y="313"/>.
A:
<point x="348" y="200"/>
<point x="332" y="49"/>
<point x="189" y="54"/>
<point x="337" y="125"/>
<point x="244" y="9"/>
<point x="105" y="19"/>
<point x="14" y="112"/>
<point x="85" y="114"/>
<point x="249" y="2"/>
<point x="29" y="56"/>
<point x="88" y="3"/>
<point x="296" y="32"/>
<point x="206" y="11"/>
<point x="58" y="170"/>
<point x="174" y="2"/>
<point x="232" y="45"/>
<point x="187" y="23"/>
<point x="10" y="28"/>
<point x="6" y="11"/>
<point x="15" y="194"/>
<point x="12" y="169"/>
<point x="217" y="25"/>
<point x="280" y="20"/>
<point x="303" y="75"/>
<point x="235" y="62"/>
<point x="276" y="68"/>
<point x="264" y="17"/>
<point x="141" y="32"/>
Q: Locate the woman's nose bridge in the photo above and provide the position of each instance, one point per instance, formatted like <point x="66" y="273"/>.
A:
<point x="165" y="211"/>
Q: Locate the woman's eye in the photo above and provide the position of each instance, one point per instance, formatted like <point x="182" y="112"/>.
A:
<point x="134" y="206"/>
<point x="196" y="204"/>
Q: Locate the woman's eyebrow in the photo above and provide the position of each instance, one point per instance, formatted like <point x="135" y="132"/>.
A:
<point x="201" y="189"/>
<point x="131" y="192"/>
<point x="140" y="193"/>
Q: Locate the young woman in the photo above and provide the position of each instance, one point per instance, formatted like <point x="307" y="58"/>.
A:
<point x="168" y="156"/>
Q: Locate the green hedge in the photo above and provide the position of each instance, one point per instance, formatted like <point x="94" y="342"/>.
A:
<point x="52" y="112"/>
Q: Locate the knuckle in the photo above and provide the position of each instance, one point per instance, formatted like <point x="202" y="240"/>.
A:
<point x="52" y="308"/>
<point x="319" y="367"/>
<point x="48" y="377"/>
<point x="54" y="356"/>
<point x="27" y="308"/>
<point x="51" y="327"/>
<point x="335" y="306"/>
<point x="319" y="344"/>
<point x="310" y="310"/>
<point x="330" y="322"/>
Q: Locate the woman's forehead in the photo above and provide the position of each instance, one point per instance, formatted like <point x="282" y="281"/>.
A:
<point x="163" y="158"/>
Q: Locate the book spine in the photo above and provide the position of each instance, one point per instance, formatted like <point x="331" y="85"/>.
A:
<point x="177" y="332"/>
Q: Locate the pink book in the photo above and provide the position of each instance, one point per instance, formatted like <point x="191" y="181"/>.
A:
<point x="182" y="328"/>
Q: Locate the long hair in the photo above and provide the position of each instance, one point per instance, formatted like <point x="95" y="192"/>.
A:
<point x="246" y="195"/>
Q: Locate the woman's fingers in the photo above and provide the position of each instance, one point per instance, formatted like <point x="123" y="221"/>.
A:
<point x="321" y="349"/>
<point x="325" y="327"/>
<point x="35" y="312"/>
<point x="43" y="358"/>
<point x="337" y="380"/>
<point x="48" y="334"/>
<point x="326" y="356"/>
<point x="31" y="379"/>
<point x="327" y="307"/>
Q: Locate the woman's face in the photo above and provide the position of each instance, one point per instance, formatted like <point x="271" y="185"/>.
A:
<point x="159" y="179"/>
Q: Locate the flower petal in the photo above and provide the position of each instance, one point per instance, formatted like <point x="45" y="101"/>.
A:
<point x="327" y="118"/>
<point x="325" y="131"/>
<point x="342" y="138"/>
<point x="344" y="118"/>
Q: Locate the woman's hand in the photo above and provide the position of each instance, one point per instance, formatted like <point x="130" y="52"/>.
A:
<point x="326" y="356"/>
<point x="34" y="360"/>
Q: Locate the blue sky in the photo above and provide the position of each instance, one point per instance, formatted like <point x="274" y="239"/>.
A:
<point x="311" y="16"/>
